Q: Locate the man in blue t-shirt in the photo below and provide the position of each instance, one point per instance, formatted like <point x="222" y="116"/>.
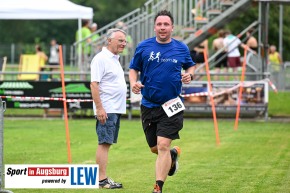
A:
<point x="160" y="61"/>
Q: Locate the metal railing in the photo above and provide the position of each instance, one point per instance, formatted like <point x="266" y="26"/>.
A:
<point x="211" y="59"/>
<point x="139" y="25"/>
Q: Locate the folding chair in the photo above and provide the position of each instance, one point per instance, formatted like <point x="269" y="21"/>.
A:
<point x="29" y="63"/>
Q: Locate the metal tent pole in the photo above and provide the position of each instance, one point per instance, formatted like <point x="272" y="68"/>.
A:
<point x="2" y="109"/>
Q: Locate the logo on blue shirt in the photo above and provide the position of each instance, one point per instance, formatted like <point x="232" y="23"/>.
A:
<point x="157" y="57"/>
<point x="152" y="56"/>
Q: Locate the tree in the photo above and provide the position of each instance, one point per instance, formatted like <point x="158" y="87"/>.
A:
<point x="27" y="31"/>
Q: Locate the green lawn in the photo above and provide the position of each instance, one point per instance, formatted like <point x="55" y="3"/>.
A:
<point x="279" y="104"/>
<point x="253" y="159"/>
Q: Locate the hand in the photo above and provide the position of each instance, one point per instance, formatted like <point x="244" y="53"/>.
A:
<point x="185" y="78"/>
<point x="136" y="88"/>
<point x="102" y="115"/>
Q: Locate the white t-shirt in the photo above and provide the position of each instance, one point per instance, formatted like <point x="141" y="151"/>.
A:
<point x="232" y="43"/>
<point x="106" y="69"/>
<point x="53" y="58"/>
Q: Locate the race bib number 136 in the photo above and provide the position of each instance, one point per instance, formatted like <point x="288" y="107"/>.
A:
<point x="173" y="106"/>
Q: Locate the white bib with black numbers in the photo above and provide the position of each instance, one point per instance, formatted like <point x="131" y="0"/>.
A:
<point x="173" y="106"/>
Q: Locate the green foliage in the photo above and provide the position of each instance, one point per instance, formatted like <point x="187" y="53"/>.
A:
<point x="106" y="11"/>
<point x="255" y="158"/>
<point x="25" y="31"/>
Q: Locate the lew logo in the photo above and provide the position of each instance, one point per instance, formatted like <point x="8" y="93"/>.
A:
<point x="152" y="56"/>
<point x="84" y="176"/>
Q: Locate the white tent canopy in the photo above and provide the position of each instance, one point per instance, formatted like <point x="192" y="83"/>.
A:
<point x="43" y="9"/>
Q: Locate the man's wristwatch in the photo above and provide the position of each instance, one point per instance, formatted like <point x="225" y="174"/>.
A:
<point x="191" y="76"/>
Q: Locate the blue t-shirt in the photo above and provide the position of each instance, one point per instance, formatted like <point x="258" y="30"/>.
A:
<point x="160" y="68"/>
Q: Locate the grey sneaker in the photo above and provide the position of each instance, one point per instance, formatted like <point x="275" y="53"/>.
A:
<point x="110" y="184"/>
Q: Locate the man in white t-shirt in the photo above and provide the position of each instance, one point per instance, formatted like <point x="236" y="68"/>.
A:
<point x="232" y="44"/>
<point x="108" y="88"/>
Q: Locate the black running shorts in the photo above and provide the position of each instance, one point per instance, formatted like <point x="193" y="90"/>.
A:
<point x="155" y="123"/>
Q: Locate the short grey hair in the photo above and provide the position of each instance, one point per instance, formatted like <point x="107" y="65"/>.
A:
<point x="111" y="32"/>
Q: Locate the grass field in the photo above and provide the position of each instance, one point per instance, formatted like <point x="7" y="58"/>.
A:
<point x="253" y="159"/>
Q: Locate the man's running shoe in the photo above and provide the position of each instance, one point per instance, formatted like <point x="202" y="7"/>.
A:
<point x="175" y="153"/>
<point x="110" y="184"/>
<point x="156" y="189"/>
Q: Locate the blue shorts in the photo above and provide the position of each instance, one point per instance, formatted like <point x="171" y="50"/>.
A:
<point x="108" y="133"/>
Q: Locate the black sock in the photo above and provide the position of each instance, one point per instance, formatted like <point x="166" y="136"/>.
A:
<point x="103" y="180"/>
<point x="160" y="184"/>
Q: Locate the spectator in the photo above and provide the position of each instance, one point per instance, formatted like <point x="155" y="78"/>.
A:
<point x="54" y="55"/>
<point x="53" y="60"/>
<point x="95" y="47"/>
<point x="82" y="34"/>
<point x="197" y="55"/>
<point x="42" y="61"/>
<point x="232" y="44"/>
<point x="109" y="89"/>
<point x="41" y="54"/>
<point x="221" y="58"/>
<point x="198" y="10"/>
<point x="83" y="47"/>
<point x="252" y="42"/>
<point x="275" y="59"/>
<point x="93" y="29"/>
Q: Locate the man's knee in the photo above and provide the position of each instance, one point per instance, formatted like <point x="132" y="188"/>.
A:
<point x="163" y="145"/>
<point x="154" y="149"/>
